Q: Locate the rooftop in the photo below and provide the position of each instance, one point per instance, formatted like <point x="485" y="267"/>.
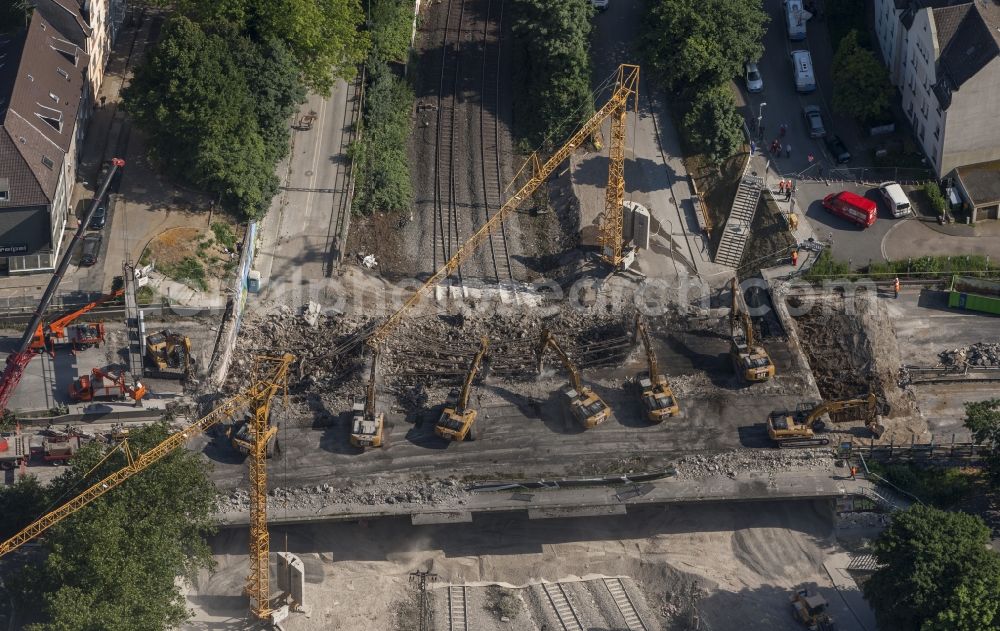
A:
<point x="981" y="182"/>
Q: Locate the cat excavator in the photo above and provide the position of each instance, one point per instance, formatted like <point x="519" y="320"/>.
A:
<point x="368" y="426"/>
<point x="587" y="408"/>
<point x="457" y="418"/>
<point x="799" y="428"/>
<point x="751" y="361"/>
<point x="657" y="396"/>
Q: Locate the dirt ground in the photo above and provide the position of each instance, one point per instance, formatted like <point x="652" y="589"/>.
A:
<point x="852" y="349"/>
<point x="769" y="240"/>
<point x="691" y="567"/>
<point x="718" y="185"/>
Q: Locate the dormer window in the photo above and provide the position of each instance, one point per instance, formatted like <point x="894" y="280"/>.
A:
<point x="51" y="116"/>
<point x="67" y="49"/>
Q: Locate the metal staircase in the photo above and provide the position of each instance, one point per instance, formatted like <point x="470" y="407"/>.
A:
<point x="736" y="232"/>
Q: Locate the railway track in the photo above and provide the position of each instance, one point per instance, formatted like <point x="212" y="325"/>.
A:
<point x="458" y="608"/>
<point x="565" y="613"/>
<point x="446" y="229"/>
<point x="343" y="181"/>
<point x="618" y="592"/>
<point x="489" y="132"/>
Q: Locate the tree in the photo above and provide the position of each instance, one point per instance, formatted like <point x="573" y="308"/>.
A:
<point x="712" y="125"/>
<point x="391" y="23"/>
<point x="552" y="68"/>
<point x="324" y="36"/>
<point x="983" y="420"/>
<point x="113" y="565"/>
<point x="861" y="85"/>
<point x="694" y="44"/>
<point x="216" y="105"/>
<point x="937" y="573"/>
<point x="20" y="504"/>
<point x="14" y="15"/>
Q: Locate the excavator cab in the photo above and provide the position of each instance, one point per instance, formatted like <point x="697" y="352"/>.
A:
<point x="798" y="428"/>
<point x="457" y="418"/>
<point x="368" y="424"/>
<point x="811" y="610"/>
<point x="587" y="408"/>
<point x="241" y="440"/>
<point x="169" y="352"/>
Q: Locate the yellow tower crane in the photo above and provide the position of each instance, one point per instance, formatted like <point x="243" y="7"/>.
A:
<point x="272" y="376"/>
<point x="531" y="175"/>
<point x="657" y="397"/>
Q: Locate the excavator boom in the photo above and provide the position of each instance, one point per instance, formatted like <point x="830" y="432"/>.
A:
<point x="370" y="388"/>
<point x="654" y="369"/>
<point x="57" y="327"/>
<point x="549" y="341"/>
<point x="463" y="397"/>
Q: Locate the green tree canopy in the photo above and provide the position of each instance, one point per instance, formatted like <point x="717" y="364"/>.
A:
<point x="861" y="87"/>
<point x="391" y="24"/>
<point x="552" y="68"/>
<point x="324" y="36"/>
<point x="983" y="420"/>
<point x="937" y="573"/>
<point x="712" y="125"/>
<point x="694" y="44"/>
<point x="215" y="106"/>
<point x="112" y="566"/>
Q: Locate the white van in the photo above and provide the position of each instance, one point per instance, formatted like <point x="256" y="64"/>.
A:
<point x="895" y="199"/>
<point x="795" y="20"/>
<point x="802" y="68"/>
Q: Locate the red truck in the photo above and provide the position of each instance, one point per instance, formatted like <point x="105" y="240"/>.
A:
<point x="851" y="207"/>
<point x="13" y="451"/>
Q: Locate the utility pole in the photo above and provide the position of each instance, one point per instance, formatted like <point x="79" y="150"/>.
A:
<point x="421" y="577"/>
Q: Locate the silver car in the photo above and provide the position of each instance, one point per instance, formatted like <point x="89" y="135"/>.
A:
<point x="755" y="83"/>
<point x="814" y="121"/>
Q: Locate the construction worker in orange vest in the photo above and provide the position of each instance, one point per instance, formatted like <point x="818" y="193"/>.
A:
<point x="795" y="258"/>
<point x="895" y="286"/>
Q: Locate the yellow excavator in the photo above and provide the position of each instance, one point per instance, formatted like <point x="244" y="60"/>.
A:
<point x="457" y="417"/>
<point x="799" y="428"/>
<point x="811" y="610"/>
<point x="657" y="396"/>
<point x="587" y="408"/>
<point x="368" y="425"/>
<point x="751" y="361"/>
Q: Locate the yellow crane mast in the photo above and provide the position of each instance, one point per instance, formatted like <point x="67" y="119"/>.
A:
<point x="587" y="408"/>
<point x="455" y="422"/>
<point x="368" y="425"/>
<point x="531" y="175"/>
<point x="750" y="359"/>
<point x="657" y="397"/>
<point x="258" y="395"/>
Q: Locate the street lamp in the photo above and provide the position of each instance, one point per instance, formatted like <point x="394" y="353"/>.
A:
<point x="760" y="121"/>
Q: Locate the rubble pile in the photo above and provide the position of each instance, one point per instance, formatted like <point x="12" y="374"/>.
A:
<point x="980" y="354"/>
<point x="863" y="520"/>
<point x="373" y="493"/>
<point x="754" y="461"/>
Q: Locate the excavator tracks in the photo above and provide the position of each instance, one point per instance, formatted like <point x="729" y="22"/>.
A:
<point x="799" y="443"/>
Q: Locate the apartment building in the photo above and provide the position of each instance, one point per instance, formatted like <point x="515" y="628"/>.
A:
<point x="43" y="110"/>
<point x="944" y="57"/>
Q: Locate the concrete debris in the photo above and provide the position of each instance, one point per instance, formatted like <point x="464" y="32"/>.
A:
<point x="373" y="492"/>
<point x="980" y="354"/>
<point x="311" y="312"/>
<point x="369" y="262"/>
<point x="754" y="461"/>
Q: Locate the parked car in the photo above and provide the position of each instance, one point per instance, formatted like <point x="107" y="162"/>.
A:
<point x="837" y="149"/>
<point x="600" y="5"/>
<point x="90" y="249"/>
<point x="814" y="121"/>
<point x="100" y="217"/>
<point x="755" y="83"/>
<point x="852" y="207"/>
<point x="895" y="198"/>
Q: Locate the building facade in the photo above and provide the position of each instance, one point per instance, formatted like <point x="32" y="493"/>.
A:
<point x="944" y="57"/>
<point x="44" y="105"/>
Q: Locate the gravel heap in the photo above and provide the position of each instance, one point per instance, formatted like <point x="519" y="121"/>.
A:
<point x="863" y="520"/>
<point x="375" y="493"/>
<point x="979" y="354"/>
<point x="754" y="461"/>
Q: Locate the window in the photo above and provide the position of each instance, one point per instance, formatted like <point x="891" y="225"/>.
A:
<point x="51" y="116"/>
<point x="47" y="161"/>
<point x="65" y="75"/>
<point x="4" y="189"/>
<point x="55" y="99"/>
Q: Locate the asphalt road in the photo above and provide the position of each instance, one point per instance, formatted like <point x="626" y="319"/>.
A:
<point x="851" y="243"/>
